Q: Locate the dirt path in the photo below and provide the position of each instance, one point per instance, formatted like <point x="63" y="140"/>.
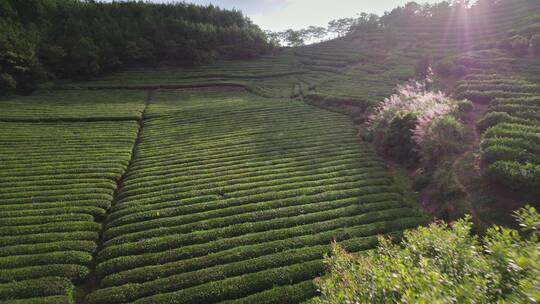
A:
<point x="92" y="282"/>
<point x="473" y="149"/>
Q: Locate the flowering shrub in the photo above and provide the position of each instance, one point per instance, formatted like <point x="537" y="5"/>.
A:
<point x="414" y="99"/>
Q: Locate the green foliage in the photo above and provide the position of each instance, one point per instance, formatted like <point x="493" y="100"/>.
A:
<point x="7" y="84"/>
<point x="441" y="263"/>
<point x="444" y="181"/>
<point x="84" y="57"/>
<point x="229" y="197"/>
<point x="42" y="287"/>
<point x="56" y="178"/>
<point x="396" y="140"/>
<point x="75" y="39"/>
<point x="444" y="136"/>
<point x="294" y="38"/>
<point x="518" y="176"/>
<point x="450" y="68"/>
<point x="257" y="210"/>
<point x="493" y="118"/>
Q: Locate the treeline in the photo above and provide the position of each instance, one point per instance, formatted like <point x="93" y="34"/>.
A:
<point x="335" y="28"/>
<point x="412" y="13"/>
<point x="44" y="40"/>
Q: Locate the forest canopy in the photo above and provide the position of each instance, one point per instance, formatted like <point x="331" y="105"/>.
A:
<point x="49" y="39"/>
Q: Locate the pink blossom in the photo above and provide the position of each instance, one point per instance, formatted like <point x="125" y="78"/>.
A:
<point x="413" y="97"/>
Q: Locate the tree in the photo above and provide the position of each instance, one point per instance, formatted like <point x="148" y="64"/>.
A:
<point x="341" y="26"/>
<point x="319" y="33"/>
<point x="365" y="22"/>
<point x="333" y="27"/>
<point x="80" y="39"/>
<point x="294" y="38"/>
<point x="274" y="38"/>
<point x="307" y="33"/>
<point x="84" y="58"/>
<point x="441" y="263"/>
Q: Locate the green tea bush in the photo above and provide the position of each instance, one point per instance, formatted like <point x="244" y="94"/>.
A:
<point x="255" y="188"/>
<point x="46" y="286"/>
<point x="493" y="118"/>
<point x="517" y="176"/>
<point x="442" y="263"/>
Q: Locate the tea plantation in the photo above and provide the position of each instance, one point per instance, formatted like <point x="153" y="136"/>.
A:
<point x="227" y="182"/>
<point x="192" y="196"/>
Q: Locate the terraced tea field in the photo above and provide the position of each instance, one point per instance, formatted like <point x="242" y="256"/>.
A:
<point x="57" y="180"/>
<point x="219" y="183"/>
<point x="182" y="196"/>
<point x="511" y="125"/>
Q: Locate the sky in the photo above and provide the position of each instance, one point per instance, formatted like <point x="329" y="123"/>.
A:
<point x="278" y="15"/>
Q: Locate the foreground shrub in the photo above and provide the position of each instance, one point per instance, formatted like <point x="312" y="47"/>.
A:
<point x="441" y="263"/>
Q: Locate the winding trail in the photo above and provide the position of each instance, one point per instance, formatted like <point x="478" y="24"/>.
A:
<point x="92" y="282"/>
<point x="473" y="148"/>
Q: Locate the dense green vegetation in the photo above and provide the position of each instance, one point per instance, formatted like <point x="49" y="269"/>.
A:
<point x="43" y="39"/>
<point x="232" y="195"/>
<point x="227" y="182"/>
<point x="220" y="185"/>
<point x="510" y="127"/>
<point x="75" y="105"/>
<point x="56" y="180"/>
<point x="442" y="263"/>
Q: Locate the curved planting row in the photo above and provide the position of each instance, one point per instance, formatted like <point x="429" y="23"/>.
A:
<point x="236" y="198"/>
<point x="387" y="56"/>
<point x="273" y="76"/>
<point x="510" y="141"/>
<point x="75" y="105"/>
<point x="55" y="180"/>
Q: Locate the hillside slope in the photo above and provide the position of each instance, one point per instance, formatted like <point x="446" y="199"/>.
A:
<point x="226" y="183"/>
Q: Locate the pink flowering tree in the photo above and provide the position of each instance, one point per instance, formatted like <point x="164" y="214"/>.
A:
<point x="417" y="103"/>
